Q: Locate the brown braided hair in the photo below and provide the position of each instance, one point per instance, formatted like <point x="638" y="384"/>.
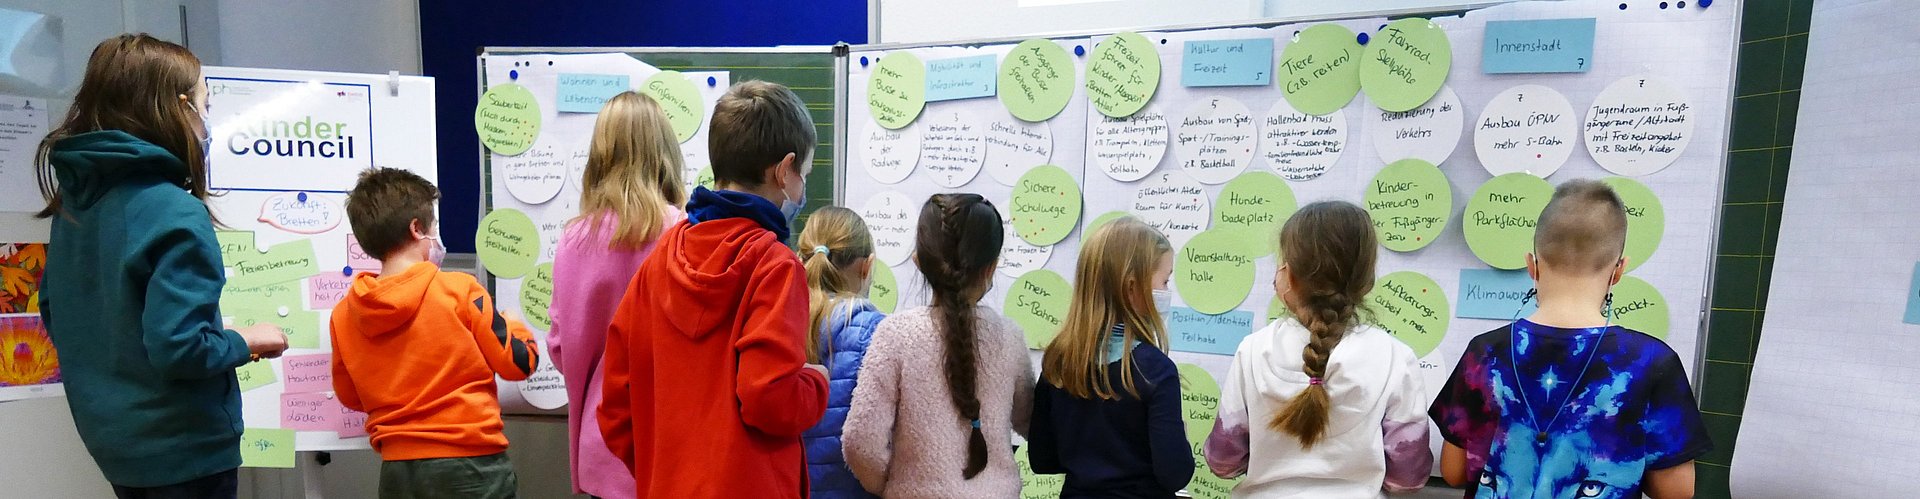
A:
<point x="956" y="249"/>
<point x="1329" y="249"/>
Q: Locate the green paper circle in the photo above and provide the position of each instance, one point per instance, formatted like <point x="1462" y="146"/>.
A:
<point x="1640" y="307"/>
<point x="1255" y="204"/>
<point x="1038" y="303"/>
<point x="1036" y="80"/>
<point x="679" y="99"/>
<point x="1102" y="220"/>
<point x="507" y="119"/>
<point x="1214" y="272"/>
<point x="536" y="296"/>
<point x="1499" y="221"/>
<point x="1646" y="220"/>
<point x="897" y="90"/>
<point x="1199" y="401"/>
<point x="1411" y="307"/>
<point x="1405" y="64"/>
<point x="1123" y="74"/>
<point x="507" y="243"/>
<point x="1410" y="202"/>
<point x="705" y="177"/>
<point x="1046" y="205"/>
<point x="884" y="290"/>
<point x="1033" y="485"/>
<point x="1319" y="72"/>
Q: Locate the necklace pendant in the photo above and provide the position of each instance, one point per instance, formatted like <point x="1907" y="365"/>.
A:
<point x="1540" y="438"/>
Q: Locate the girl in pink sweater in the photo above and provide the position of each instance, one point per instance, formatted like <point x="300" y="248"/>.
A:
<point x="631" y="192"/>
<point x="944" y="387"/>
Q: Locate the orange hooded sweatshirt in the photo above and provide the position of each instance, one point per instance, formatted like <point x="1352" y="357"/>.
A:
<point x="417" y="351"/>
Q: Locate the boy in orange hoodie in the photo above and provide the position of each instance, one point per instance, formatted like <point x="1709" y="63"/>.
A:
<point x="417" y="349"/>
<point x="707" y="390"/>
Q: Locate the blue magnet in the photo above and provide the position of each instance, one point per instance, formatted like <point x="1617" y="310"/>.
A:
<point x="863" y="61"/>
<point x="1706" y="3"/>
<point x="1079" y="50"/>
<point x="1663" y="6"/>
<point x="513" y="75"/>
<point x="1362" y="38"/>
<point x="301" y="196"/>
<point x="1623" y="6"/>
<point x="712" y="82"/>
<point x="347" y="271"/>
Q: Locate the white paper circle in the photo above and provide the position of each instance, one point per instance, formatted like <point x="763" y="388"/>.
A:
<point x="1016" y="255"/>
<point x="1015" y="146"/>
<point x="535" y="176"/>
<point x="545" y="389"/>
<point x="1638" y="126"/>
<point x="1428" y="133"/>
<point x="1300" y="146"/>
<point x="950" y="147"/>
<point x="1130" y="148"/>
<point x="890" y="218"/>
<point x="1528" y="128"/>
<point x="1215" y="139"/>
<point x="890" y="155"/>
<point x="1175" y="204"/>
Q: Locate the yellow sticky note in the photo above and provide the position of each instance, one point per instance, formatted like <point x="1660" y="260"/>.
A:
<point x="266" y="448"/>
<point x="254" y="375"/>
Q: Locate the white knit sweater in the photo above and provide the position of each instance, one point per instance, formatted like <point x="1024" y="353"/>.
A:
<point x="903" y="437"/>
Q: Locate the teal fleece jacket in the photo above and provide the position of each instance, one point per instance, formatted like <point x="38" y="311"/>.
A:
<point x="131" y="297"/>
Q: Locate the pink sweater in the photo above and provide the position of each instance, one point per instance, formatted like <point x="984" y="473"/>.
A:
<point x="904" y="439"/>
<point x="588" y="281"/>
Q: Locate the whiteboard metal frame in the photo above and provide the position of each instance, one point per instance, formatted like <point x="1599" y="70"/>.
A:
<point x="841" y="169"/>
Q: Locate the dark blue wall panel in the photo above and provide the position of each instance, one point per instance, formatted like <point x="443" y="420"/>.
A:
<point x="453" y="31"/>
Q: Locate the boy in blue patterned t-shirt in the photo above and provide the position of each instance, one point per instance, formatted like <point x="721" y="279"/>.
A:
<point x="1563" y="404"/>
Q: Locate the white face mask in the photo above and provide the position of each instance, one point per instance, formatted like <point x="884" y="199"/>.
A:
<point x="436" y="253"/>
<point x="1163" y="301"/>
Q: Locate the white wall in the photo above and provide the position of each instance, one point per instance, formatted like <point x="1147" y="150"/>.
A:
<point x="1292" y="8"/>
<point x="360" y="36"/>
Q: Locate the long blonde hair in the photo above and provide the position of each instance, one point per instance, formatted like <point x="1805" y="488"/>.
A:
<point x="1113" y="285"/>
<point x="835" y="239"/>
<point x="1329" y="249"/>
<point x="633" y="169"/>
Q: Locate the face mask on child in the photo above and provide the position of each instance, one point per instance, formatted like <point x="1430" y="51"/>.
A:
<point x="1163" y="301"/>
<point x="788" y="207"/>
<point x="436" y="253"/>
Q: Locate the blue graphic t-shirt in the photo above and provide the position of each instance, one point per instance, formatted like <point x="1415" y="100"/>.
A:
<point x="1631" y="411"/>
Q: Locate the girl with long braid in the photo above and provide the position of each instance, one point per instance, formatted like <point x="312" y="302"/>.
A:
<point x="944" y="386"/>
<point x="1322" y="404"/>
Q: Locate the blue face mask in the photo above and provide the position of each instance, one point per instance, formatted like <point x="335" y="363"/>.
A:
<point x="789" y="208"/>
<point x="206" y="136"/>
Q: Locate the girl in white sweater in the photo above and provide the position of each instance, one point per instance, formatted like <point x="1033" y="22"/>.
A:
<point x="941" y="382"/>
<point x="1320" y="405"/>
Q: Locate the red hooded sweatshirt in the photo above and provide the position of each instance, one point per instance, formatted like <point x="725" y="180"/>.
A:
<point x="705" y="392"/>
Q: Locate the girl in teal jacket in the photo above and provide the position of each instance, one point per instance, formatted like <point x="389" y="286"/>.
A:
<point x="132" y="287"/>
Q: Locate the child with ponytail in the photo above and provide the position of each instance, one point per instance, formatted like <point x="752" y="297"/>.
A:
<point x="944" y="386"/>
<point x="837" y="251"/>
<point x="1107" y="409"/>
<point x="1321" y="404"/>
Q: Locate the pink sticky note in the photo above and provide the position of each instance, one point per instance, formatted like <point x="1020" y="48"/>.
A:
<point x="309" y="412"/>
<point x="350" y="423"/>
<point x="308" y="373"/>
<point x="357" y="257"/>
<point x="324" y="290"/>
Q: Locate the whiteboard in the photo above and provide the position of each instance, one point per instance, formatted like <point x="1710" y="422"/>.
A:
<point x="566" y="135"/>
<point x="301" y="200"/>
<point x="1630" y="42"/>
<point x="1833" y="386"/>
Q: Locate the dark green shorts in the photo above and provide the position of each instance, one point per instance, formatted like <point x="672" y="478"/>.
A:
<point x="483" y="477"/>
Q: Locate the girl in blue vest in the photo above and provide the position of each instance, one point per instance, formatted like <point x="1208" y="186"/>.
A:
<point x="838" y="253"/>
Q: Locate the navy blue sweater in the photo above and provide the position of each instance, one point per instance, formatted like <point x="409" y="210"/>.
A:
<point x="1127" y="448"/>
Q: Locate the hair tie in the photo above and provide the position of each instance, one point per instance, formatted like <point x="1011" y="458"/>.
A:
<point x="822" y="250"/>
<point x="1316" y="381"/>
<point x="976" y="424"/>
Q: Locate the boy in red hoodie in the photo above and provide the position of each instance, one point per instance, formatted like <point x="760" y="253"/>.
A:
<point x="417" y="349"/>
<point x="707" y="390"/>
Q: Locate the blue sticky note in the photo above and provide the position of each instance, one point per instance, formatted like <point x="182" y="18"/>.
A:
<point x="1227" y="63"/>
<point x="1538" y="46"/>
<point x="1192" y="331"/>
<point x="962" y="78"/>
<point x="586" y="93"/>
<point x="1913" y="297"/>
<point x="1493" y="294"/>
